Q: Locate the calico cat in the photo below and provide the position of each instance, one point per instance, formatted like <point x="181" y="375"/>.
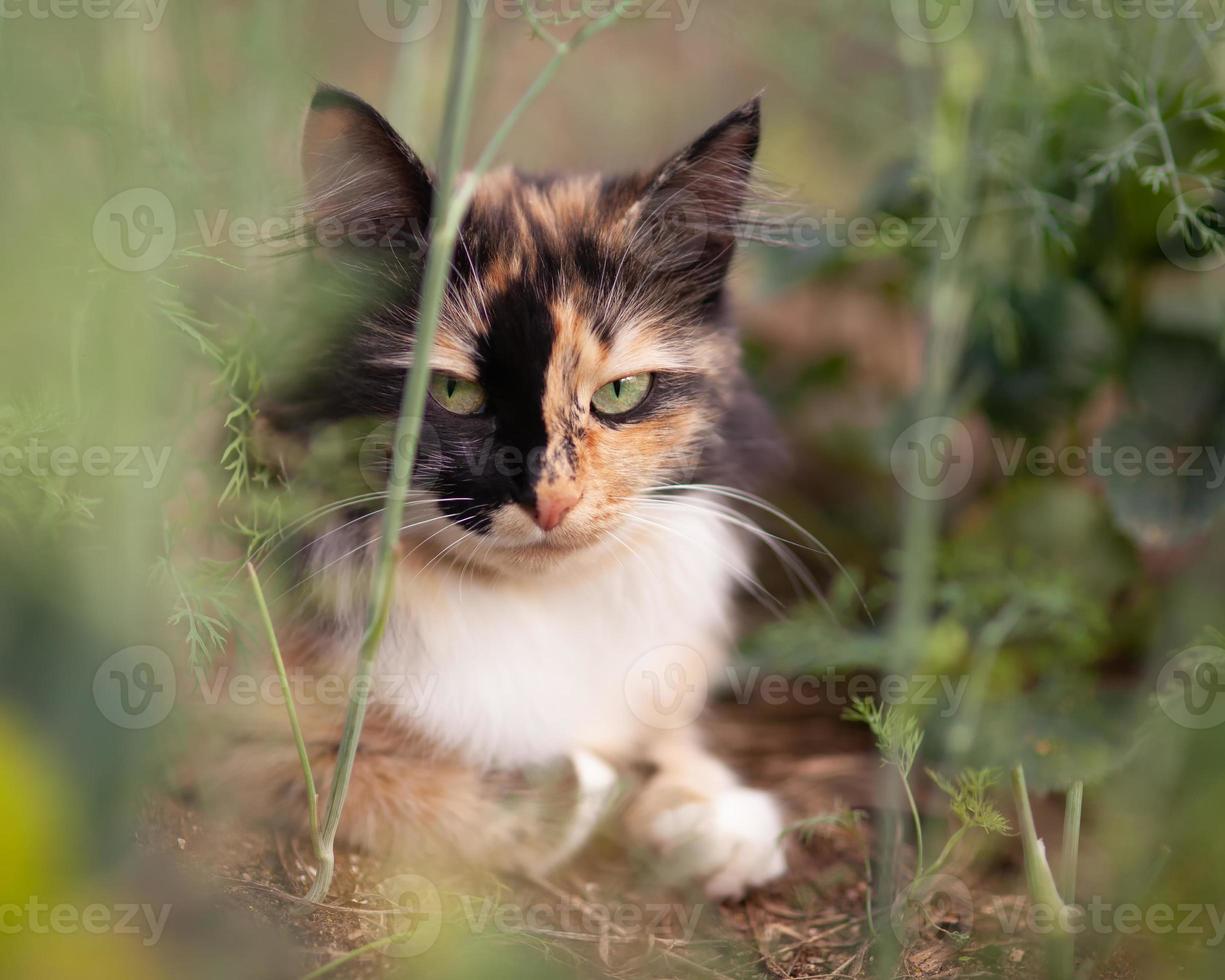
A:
<point x="564" y="591"/>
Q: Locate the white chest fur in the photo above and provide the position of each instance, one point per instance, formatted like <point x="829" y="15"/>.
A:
<point x="515" y="672"/>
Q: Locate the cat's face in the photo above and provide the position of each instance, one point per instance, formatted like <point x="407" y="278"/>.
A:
<point x="582" y="357"/>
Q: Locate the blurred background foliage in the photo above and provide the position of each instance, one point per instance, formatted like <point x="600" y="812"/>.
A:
<point x="1090" y="265"/>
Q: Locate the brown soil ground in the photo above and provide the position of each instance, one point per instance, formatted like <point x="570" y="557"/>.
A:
<point x="608" y="916"/>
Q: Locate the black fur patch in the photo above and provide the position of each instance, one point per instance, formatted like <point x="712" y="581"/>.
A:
<point x="487" y="460"/>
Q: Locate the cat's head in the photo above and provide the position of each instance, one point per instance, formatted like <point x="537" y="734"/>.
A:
<point x="583" y="355"/>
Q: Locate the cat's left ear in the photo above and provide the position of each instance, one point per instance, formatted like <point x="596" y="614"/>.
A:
<point x="695" y="199"/>
<point x="364" y="184"/>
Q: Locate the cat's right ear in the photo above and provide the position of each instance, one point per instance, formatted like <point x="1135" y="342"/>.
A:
<point x="364" y="185"/>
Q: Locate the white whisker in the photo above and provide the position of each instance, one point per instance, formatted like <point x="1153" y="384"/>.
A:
<point x="750" y="581"/>
<point x="753" y="500"/>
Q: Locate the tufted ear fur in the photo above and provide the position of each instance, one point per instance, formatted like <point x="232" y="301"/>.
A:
<point x="364" y="185"/>
<point x="690" y="208"/>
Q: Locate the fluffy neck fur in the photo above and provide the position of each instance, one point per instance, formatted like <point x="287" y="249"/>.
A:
<point x="514" y="671"/>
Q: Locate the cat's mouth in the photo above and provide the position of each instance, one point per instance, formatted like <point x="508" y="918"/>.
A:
<point x="514" y="539"/>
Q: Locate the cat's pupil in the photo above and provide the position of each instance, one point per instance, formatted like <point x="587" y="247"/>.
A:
<point x="617" y="389"/>
<point x="452" y="384"/>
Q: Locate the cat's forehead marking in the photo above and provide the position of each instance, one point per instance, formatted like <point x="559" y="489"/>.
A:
<point x="554" y="251"/>
<point x="530" y="212"/>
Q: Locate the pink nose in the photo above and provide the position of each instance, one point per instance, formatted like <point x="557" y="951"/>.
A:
<point x="554" y="503"/>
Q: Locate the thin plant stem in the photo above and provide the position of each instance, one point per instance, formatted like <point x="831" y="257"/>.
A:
<point x="867" y="894"/>
<point x="947" y="851"/>
<point x="866" y="847"/>
<point x="918" y="825"/>
<point x="964" y="730"/>
<point x="460" y="87"/>
<point x="948" y="311"/>
<point x="1030" y="844"/>
<point x="1071" y="841"/>
<point x="312" y="796"/>
<point x="1067" y="864"/>
<point x="1031" y="35"/>
<point x="451" y="205"/>
<point x="561" y="50"/>
<point x="1060" y="947"/>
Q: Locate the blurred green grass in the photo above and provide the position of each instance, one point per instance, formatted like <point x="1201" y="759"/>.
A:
<point x="1081" y="325"/>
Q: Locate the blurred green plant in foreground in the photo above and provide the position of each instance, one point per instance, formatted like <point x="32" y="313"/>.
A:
<point x="1085" y="160"/>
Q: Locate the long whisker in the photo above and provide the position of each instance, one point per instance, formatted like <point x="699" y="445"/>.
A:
<point x="458" y="519"/>
<point x="282" y="532"/>
<point x="625" y="546"/>
<point x="750" y="582"/>
<point x="466" y="535"/>
<point x="360" y="547"/>
<point x="794" y="569"/>
<point x="734" y="516"/>
<point x="362" y="517"/>
<point x="482" y="544"/>
<point x="753" y="500"/>
<point x="798" y="575"/>
<point x="321" y="511"/>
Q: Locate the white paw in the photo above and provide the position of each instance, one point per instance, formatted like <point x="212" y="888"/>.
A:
<point x="597" y="784"/>
<point x="730" y="840"/>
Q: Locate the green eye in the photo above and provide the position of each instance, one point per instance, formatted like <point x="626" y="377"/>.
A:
<point x="618" y="397"/>
<point x="457" y="395"/>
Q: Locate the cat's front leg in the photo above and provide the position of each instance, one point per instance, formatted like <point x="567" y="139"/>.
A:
<point x="695" y="812"/>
